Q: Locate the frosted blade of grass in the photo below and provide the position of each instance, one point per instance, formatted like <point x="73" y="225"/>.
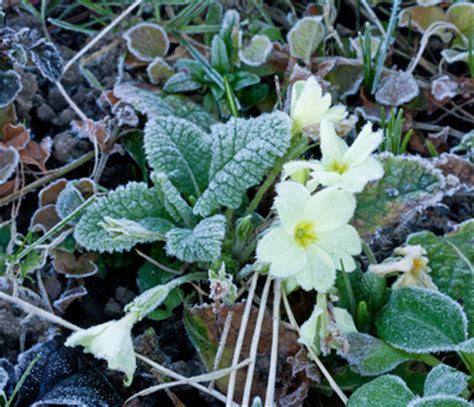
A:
<point x="385" y="44"/>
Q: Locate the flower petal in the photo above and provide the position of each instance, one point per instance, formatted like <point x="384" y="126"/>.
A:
<point x="336" y="113"/>
<point x="319" y="272"/>
<point x="356" y="177"/>
<point x="330" y="209"/>
<point x="305" y="100"/>
<point x="280" y="250"/>
<point x="292" y="167"/>
<point x="341" y="244"/>
<point x="333" y="147"/>
<point x="365" y="144"/>
<point x="290" y="202"/>
<point x="327" y="178"/>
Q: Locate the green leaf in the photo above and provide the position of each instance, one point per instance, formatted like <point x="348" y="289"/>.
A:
<point x="203" y="243"/>
<point x="386" y="391"/>
<point x="47" y="59"/>
<point x="146" y="41"/>
<point x="133" y="143"/>
<point x="153" y="105"/>
<point x="445" y="380"/>
<point x="219" y="57"/>
<point x="257" y="51"/>
<point x="174" y="203"/>
<point x="371" y="356"/>
<point x="418" y="320"/>
<point x="374" y="290"/>
<point x="408" y="184"/>
<point x="9" y="159"/>
<point x="10" y="86"/>
<point x="242" y="152"/>
<point x="115" y="223"/>
<point x="451" y="259"/>
<point x="440" y="401"/>
<point x="181" y="82"/>
<point x="305" y="37"/>
<point x="181" y="150"/>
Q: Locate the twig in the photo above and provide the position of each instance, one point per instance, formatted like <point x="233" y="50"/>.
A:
<point x="101" y="35"/>
<point x="47" y="178"/>
<point x="313" y="355"/>
<point x="222" y="343"/>
<point x="372" y="16"/>
<point x="270" y="395"/>
<point x="240" y="339"/>
<point x="159" y="265"/>
<point x="254" y="345"/>
<point x="217" y="374"/>
<point x="48" y="316"/>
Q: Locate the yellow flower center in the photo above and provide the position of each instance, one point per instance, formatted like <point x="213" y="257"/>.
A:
<point x="339" y="167"/>
<point x="418" y="265"/>
<point x="304" y="234"/>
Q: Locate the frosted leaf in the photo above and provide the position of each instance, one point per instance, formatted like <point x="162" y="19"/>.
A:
<point x="443" y="88"/>
<point x="181" y="150"/>
<point x="409" y="183"/>
<point x="386" y="391"/>
<point x="461" y="14"/>
<point x="242" y="152"/>
<point x="10" y="86"/>
<point x="69" y="199"/>
<point x="17" y="53"/>
<point x="86" y="388"/>
<point x="421" y="17"/>
<point x="446" y="380"/>
<point x="48" y="59"/>
<point x="451" y="259"/>
<point x="452" y="55"/>
<point x="9" y="159"/>
<point x="305" y="37"/>
<point x="439" y="401"/>
<point x="174" y="203"/>
<point x="370" y="356"/>
<point x="466" y="346"/>
<point x="203" y="243"/>
<point x="219" y="58"/>
<point x="418" y="320"/>
<point x="428" y="2"/>
<point x="257" y="51"/>
<point x="147" y="41"/>
<point x="159" y="70"/>
<point x="153" y="105"/>
<point x="181" y="82"/>
<point x="397" y="89"/>
<point x="134" y="202"/>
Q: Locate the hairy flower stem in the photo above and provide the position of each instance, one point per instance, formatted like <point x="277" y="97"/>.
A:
<point x="298" y="147"/>
<point x="270" y="394"/>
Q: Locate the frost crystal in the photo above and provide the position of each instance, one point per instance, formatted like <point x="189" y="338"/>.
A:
<point x="242" y="151"/>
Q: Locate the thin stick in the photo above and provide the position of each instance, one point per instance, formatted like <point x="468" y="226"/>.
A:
<point x="313" y="355"/>
<point x="254" y="345"/>
<point x="31" y="309"/>
<point x="223" y="341"/>
<point x="159" y="265"/>
<point x="101" y="35"/>
<point x="47" y="178"/>
<point x="270" y="395"/>
<point x="240" y="339"/>
<point x="373" y="16"/>
<point x="217" y="374"/>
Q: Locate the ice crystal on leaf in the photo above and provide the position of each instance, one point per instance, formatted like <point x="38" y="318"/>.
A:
<point x="242" y="151"/>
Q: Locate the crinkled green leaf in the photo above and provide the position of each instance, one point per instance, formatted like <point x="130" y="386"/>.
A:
<point x="242" y="152"/>
<point x="386" y="391"/>
<point x="112" y="223"/>
<point x="153" y="105"/>
<point x="445" y="380"/>
<point x="370" y="356"/>
<point x="181" y="150"/>
<point x="418" y="320"/>
<point x="174" y="203"/>
<point x="305" y="37"/>
<point x="440" y="401"/>
<point x="147" y="41"/>
<point x="203" y="243"/>
<point x="409" y="183"/>
<point x="181" y="82"/>
<point x="451" y="259"/>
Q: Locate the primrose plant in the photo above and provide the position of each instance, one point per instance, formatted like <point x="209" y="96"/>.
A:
<point x="198" y="207"/>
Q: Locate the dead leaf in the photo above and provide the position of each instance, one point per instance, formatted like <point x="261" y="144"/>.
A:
<point x="45" y="218"/>
<point x="204" y="328"/>
<point x="50" y="193"/>
<point x="93" y="131"/>
<point x="37" y="153"/>
<point x="16" y="136"/>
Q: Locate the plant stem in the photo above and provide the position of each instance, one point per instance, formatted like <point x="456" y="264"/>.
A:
<point x="270" y="394"/>
<point x="368" y="252"/>
<point x="297" y="148"/>
<point x="468" y="360"/>
<point x="430" y="360"/>
<point x="230" y="98"/>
